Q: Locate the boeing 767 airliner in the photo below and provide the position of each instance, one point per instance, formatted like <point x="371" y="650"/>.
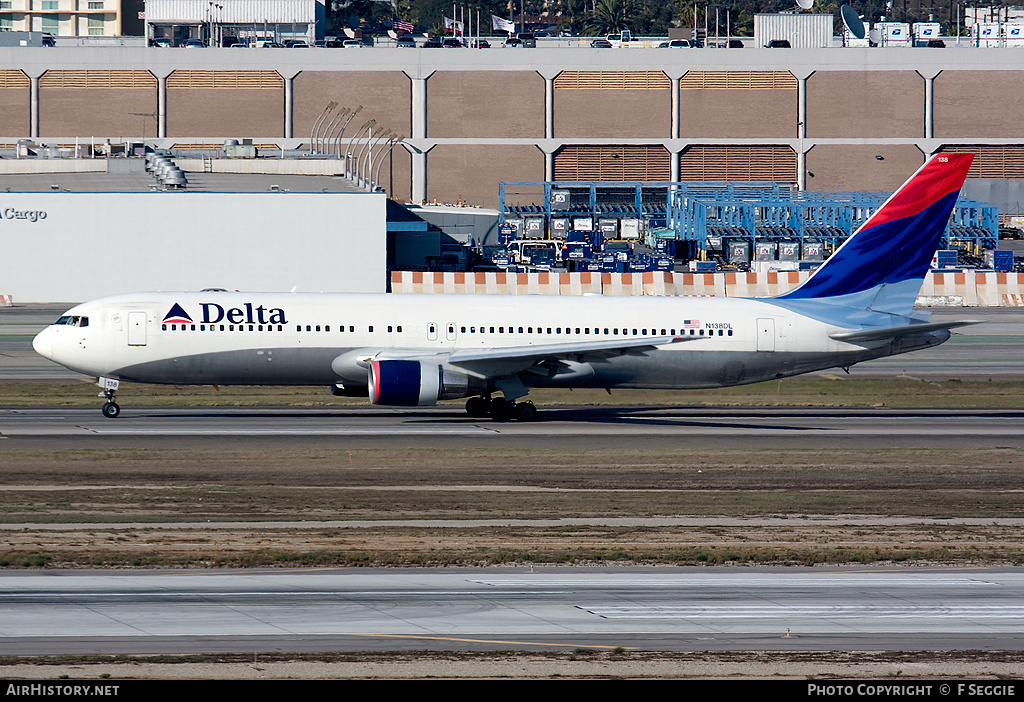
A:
<point x="415" y="349"/>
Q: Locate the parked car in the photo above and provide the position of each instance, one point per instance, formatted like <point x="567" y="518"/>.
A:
<point x="735" y="44"/>
<point x="529" y="40"/>
<point x="513" y="43"/>
<point x="451" y="43"/>
<point x="352" y="44"/>
<point x="192" y="44"/>
<point x="406" y="41"/>
<point x="162" y="43"/>
<point x="778" y="44"/>
<point x="678" y="44"/>
<point x="432" y="43"/>
<point x="600" y="44"/>
<point x="296" y="44"/>
<point x="936" y="44"/>
<point x="48" y="40"/>
<point x="481" y="44"/>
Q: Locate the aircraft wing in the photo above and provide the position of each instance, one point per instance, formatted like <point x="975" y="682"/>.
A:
<point x="508" y="360"/>
<point x="883" y="333"/>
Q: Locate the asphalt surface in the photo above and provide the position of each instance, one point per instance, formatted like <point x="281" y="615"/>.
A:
<point x="664" y="609"/>
<point x="563" y="428"/>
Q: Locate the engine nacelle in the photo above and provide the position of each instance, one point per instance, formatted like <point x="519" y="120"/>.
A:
<point x="412" y="383"/>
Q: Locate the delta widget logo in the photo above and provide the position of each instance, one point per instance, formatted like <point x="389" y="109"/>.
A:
<point x="177" y="315"/>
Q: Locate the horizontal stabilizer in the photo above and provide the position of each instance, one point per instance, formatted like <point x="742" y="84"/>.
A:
<point x="883" y="333"/>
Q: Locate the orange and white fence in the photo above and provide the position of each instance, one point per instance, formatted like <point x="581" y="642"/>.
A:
<point x="940" y="288"/>
<point x="6" y="301"/>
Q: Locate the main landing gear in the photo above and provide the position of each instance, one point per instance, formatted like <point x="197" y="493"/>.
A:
<point x="501" y="410"/>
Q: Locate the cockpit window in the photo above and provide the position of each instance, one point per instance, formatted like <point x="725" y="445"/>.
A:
<point x="73" y="321"/>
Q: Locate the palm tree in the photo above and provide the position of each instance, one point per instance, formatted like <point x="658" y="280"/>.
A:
<point x="608" y="16"/>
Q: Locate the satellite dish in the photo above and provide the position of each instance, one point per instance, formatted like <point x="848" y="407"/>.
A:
<point x="875" y="37"/>
<point x="804" y="4"/>
<point x="853" y="23"/>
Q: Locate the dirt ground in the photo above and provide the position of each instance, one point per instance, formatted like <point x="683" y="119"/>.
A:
<point x="571" y="665"/>
<point x="466" y="507"/>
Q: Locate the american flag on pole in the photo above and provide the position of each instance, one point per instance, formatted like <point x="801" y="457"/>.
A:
<point x="402" y="26"/>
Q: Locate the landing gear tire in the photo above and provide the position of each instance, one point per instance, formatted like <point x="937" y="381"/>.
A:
<point x="524" y="411"/>
<point x="501" y="409"/>
<point x="111" y="410"/>
<point x="478" y="407"/>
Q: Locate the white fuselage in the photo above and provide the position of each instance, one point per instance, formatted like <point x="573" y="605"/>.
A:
<point x="318" y="338"/>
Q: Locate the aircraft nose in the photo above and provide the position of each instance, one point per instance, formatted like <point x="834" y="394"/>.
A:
<point x="43" y="343"/>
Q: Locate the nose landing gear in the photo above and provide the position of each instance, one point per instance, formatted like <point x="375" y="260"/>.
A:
<point x="110" y="408"/>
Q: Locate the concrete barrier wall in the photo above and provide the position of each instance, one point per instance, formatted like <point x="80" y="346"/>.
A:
<point x="940" y="288"/>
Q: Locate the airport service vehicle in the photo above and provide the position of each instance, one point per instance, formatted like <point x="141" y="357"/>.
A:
<point x="416" y="349"/>
<point x="523" y="251"/>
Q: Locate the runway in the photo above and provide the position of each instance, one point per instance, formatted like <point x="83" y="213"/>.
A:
<point x="562" y="427"/>
<point x="665" y="609"/>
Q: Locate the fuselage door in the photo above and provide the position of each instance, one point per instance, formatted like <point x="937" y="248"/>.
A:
<point x="136" y="328"/>
<point x="766" y="334"/>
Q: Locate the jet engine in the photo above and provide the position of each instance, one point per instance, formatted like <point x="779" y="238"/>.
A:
<point x="411" y="383"/>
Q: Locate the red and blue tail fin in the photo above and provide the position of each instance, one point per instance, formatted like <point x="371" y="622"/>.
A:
<point x="881" y="266"/>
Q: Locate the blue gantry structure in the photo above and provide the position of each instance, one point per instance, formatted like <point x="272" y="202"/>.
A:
<point x="704" y="219"/>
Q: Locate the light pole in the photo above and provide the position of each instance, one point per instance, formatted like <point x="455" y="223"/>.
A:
<point x="348" y="152"/>
<point x="316" y="125"/>
<point x="337" y="141"/>
<point x="380" y="161"/>
<point x="366" y="164"/>
<point x="329" y="130"/>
